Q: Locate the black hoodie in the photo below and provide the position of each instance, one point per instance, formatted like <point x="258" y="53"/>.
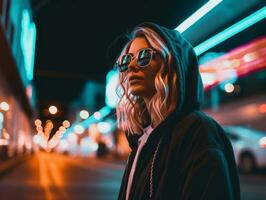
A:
<point x="187" y="156"/>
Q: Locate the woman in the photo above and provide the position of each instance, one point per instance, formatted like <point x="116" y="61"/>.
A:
<point x="178" y="152"/>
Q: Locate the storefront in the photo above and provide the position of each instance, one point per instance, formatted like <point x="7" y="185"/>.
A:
<point x="17" y="47"/>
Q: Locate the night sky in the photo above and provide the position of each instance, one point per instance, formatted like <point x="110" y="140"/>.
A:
<point x="78" y="40"/>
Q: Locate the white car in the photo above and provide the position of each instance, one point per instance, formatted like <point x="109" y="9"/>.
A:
<point x="249" y="147"/>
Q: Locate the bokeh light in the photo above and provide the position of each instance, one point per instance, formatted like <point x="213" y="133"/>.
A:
<point x="79" y="129"/>
<point x="53" y="110"/>
<point x="66" y="124"/>
<point x="229" y="87"/>
<point x="4" y="106"/>
<point x="84" y="114"/>
<point x="38" y="122"/>
<point x="97" y="115"/>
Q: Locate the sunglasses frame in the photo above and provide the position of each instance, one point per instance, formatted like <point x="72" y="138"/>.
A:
<point x="134" y="57"/>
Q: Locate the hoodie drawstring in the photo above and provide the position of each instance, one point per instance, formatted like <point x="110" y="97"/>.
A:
<point x="152" y="167"/>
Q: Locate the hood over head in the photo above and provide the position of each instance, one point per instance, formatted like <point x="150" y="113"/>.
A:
<point x="190" y="87"/>
<point x="189" y="83"/>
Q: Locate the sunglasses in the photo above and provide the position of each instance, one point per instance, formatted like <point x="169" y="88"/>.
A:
<point x="143" y="56"/>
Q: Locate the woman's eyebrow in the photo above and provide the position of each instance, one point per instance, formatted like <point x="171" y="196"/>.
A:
<point x="137" y="51"/>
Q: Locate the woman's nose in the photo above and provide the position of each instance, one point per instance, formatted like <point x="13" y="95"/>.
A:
<point x="133" y="65"/>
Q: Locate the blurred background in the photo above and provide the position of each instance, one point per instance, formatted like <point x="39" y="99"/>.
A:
<point x="58" y="133"/>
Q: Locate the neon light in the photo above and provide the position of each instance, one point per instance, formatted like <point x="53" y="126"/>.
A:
<point x="231" y="31"/>
<point x="105" y="111"/>
<point x="97" y="115"/>
<point x="27" y="42"/>
<point x="79" y="129"/>
<point x="208" y="78"/>
<point x="104" y="127"/>
<point x="1" y="118"/>
<point x="111" y="98"/>
<point x="230" y="66"/>
<point x="198" y="15"/>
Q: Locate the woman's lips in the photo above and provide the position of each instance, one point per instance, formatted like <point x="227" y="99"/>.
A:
<point x="134" y="77"/>
<point x="134" y="81"/>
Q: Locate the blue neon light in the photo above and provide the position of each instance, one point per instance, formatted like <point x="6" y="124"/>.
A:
<point x="111" y="98"/>
<point x="231" y="31"/>
<point x="27" y="41"/>
<point x="198" y="15"/>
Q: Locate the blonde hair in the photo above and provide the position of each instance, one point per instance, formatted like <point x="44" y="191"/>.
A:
<point x="132" y="113"/>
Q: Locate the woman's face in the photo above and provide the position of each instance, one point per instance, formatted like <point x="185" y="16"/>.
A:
<point x="141" y="80"/>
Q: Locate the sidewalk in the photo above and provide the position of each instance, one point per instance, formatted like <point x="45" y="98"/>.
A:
<point x="6" y="166"/>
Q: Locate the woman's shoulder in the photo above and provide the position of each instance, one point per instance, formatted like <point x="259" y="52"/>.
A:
<point x="207" y="123"/>
<point x="200" y="129"/>
<point x="199" y="120"/>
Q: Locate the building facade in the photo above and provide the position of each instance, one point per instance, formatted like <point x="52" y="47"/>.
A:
<point x="17" y="97"/>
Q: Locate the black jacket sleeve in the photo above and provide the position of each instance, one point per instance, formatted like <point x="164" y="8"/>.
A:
<point x="208" y="177"/>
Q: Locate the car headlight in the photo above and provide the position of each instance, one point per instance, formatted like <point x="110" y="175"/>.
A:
<point x="262" y="142"/>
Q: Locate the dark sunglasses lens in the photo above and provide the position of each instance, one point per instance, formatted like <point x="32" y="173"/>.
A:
<point x="144" y="57"/>
<point x="125" y="61"/>
<point x="122" y="68"/>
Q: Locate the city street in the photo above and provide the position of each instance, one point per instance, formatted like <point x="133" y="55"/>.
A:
<point x="79" y="79"/>
<point x="253" y="186"/>
<point x="58" y="177"/>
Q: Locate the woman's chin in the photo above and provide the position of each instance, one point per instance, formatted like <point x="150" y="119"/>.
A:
<point x="137" y="90"/>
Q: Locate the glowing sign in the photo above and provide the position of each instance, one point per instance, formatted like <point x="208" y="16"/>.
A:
<point x="27" y="42"/>
<point x="198" y="15"/>
<point x="111" y="98"/>
<point x="237" y="63"/>
<point x="231" y="31"/>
